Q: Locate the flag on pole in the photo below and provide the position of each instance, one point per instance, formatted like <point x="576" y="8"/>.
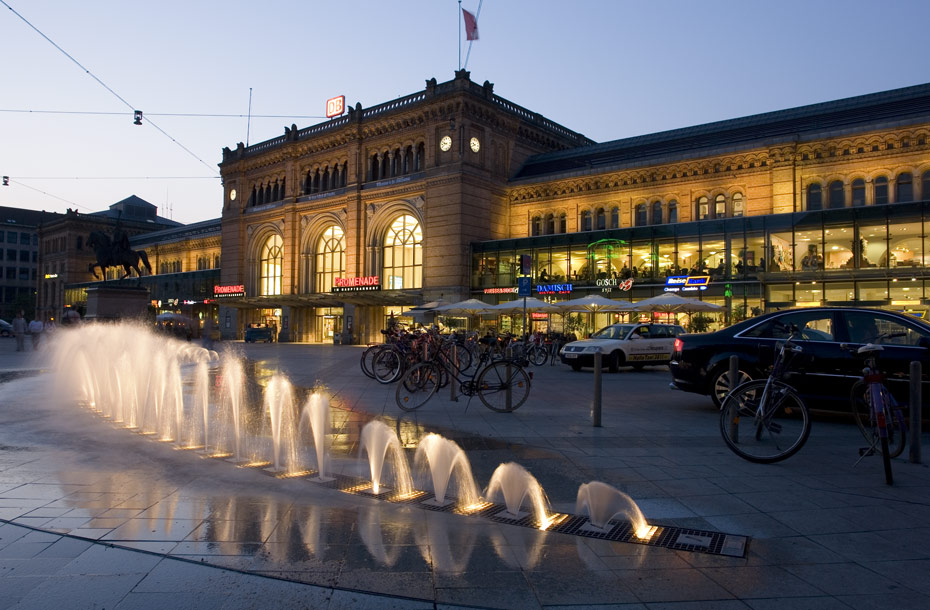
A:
<point x="471" y="25"/>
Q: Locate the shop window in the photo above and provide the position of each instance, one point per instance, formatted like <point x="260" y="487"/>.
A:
<point x="837" y="195"/>
<point x="536" y="226"/>
<point x="720" y="206"/>
<point x="858" y="192"/>
<point x="600" y="217"/>
<point x="657" y="213"/>
<point x="702" y="208"/>
<point x="925" y="186"/>
<point x="561" y="223"/>
<point x="672" y="212"/>
<point x="640" y="212"/>
<point x="330" y="258"/>
<point x="271" y="265"/>
<point x="615" y="217"/>
<point x="403" y="255"/>
<point x="737" y="204"/>
<point x="904" y="188"/>
<point x="549" y="226"/>
<point x="814" y="197"/>
<point x="586" y="220"/>
<point x="880" y="190"/>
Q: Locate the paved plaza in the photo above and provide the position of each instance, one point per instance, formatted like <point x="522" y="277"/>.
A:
<point x="92" y="516"/>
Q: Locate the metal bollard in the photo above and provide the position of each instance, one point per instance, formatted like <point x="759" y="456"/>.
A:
<point x="734" y="372"/>
<point x="916" y="415"/>
<point x="734" y="381"/>
<point x="596" y="411"/>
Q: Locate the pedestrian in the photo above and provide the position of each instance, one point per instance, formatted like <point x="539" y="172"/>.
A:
<point x="19" y="331"/>
<point x="35" y="330"/>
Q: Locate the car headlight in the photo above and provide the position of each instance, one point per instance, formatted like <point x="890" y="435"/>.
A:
<point x="592" y="349"/>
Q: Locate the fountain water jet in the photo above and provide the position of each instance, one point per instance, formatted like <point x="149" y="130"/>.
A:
<point x="516" y="484"/>
<point x="377" y="439"/>
<point x="603" y="502"/>
<point x="316" y="412"/>
<point x="279" y="405"/>
<point x="443" y="457"/>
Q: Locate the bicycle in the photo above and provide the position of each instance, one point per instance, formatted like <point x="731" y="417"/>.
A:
<point x="878" y="415"/>
<point x="502" y="385"/>
<point x="764" y="420"/>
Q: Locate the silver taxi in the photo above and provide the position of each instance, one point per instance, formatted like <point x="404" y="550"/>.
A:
<point x="633" y="345"/>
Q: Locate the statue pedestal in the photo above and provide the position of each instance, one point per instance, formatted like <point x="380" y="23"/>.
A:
<point x="116" y="302"/>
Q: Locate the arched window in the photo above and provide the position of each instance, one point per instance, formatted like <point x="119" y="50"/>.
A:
<point x="271" y="263"/>
<point x="737" y="204"/>
<point x="408" y="160"/>
<point x="549" y="227"/>
<point x="536" y="226"/>
<point x="837" y="195"/>
<point x="858" y="192"/>
<point x="403" y="254"/>
<point x="925" y="186"/>
<point x="330" y="258"/>
<point x="615" y="217"/>
<point x="702" y="211"/>
<point x="720" y="206"/>
<point x="600" y="217"/>
<point x="640" y="212"/>
<point x="586" y="220"/>
<point x="421" y="154"/>
<point x="375" y="167"/>
<point x="904" y="188"/>
<point x="562" y="223"/>
<point x="814" y="197"/>
<point x="672" y="212"/>
<point x="880" y="191"/>
<point x="308" y="182"/>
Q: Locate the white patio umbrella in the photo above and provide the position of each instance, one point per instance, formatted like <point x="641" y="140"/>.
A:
<point x="671" y="302"/>
<point x="468" y="307"/>
<point x="593" y="303"/>
<point x="516" y="306"/>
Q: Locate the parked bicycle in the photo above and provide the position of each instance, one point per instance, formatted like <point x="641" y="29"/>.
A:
<point x="764" y="420"/>
<point x="880" y="417"/>
<point x="502" y="385"/>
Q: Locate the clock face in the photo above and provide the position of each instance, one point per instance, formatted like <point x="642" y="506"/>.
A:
<point x="445" y="143"/>
<point x="232" y="195"/>
<point x="475" y="145"/>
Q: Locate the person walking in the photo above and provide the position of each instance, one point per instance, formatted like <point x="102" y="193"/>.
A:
<point x="35" y="330"/>
<point x="19" y="331"/>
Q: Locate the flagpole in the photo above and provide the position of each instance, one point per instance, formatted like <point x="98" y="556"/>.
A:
<point x="460" y="34"/>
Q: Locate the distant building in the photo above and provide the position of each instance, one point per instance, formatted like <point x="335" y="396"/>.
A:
<point x="19" y="251"/>
<point x="65" y="259"/>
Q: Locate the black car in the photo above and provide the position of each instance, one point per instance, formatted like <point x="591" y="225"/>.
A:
<point x="824" y="371"/>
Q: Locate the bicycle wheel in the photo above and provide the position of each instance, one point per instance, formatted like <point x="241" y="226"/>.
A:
<point x="417" y="386"/>
<point x="538" y="355"/>
<point x="895" y="422"/>
<point x="503" y="386"/>
<point x="457" y="356"/>
<point x="388" y="365"/>
<point x="367" y="358"/>
<point x="771" y="434"/>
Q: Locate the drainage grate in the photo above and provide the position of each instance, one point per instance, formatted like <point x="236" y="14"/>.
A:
<point x="670" y="537"/>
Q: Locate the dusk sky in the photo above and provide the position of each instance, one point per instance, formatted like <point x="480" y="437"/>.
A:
<point x="607" y="69"/>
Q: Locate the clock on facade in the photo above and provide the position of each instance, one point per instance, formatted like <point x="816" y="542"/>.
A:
<point x="445" y="143"/>
<point x="232" y="194"/>
<point x="475" y="145"/>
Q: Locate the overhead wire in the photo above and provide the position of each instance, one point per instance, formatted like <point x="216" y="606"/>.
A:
<point x="173" y="114"/>
<point x="105" y="86"/>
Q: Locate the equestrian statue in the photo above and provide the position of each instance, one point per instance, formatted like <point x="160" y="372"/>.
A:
<point x="116" y="252"/>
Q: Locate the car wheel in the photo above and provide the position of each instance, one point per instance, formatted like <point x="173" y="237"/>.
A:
<point x="614" y="361"/>
<point x="576" y="367"/>
<point x="720" y="383"/>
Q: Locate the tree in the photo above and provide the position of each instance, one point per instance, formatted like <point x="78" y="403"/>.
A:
<point x="699" y="323"/>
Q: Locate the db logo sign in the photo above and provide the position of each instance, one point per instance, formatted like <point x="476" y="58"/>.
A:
<point x="335" y="106"/>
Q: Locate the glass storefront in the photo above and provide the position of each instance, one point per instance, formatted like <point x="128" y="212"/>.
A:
<point x="876" y="256"/>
